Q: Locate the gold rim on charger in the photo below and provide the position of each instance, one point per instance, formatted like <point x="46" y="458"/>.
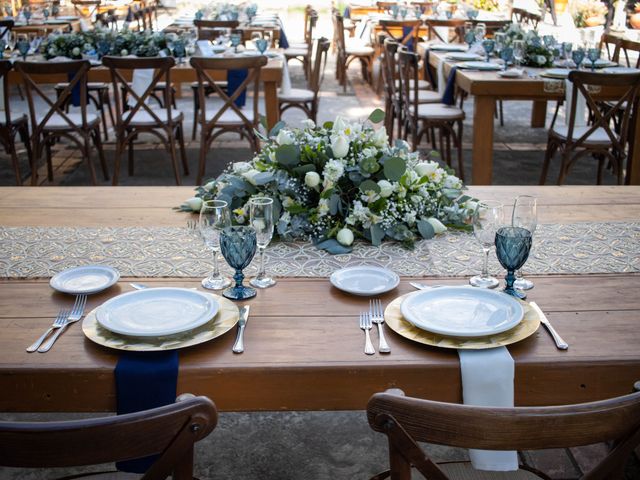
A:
<point x="224" y="320"/>
<point x="396" y="322"/>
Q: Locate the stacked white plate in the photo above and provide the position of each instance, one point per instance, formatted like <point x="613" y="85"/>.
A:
<point x="488" y="66"/>
<point x="463" y="56"/>
<point x="364" y="280"/>
<point x="462" y="311"/>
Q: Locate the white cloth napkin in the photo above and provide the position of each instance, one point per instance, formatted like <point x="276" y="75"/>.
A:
<point x="581" y="105"/>
<point x="487" y="381"/>
<point x="285" y="86"/>
<point x="142" y="78"/>
<point x="205" y="48"/>
<point x="442" y="83"/>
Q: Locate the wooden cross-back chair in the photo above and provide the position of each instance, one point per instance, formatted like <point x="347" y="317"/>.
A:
<point x="5" y="27"/>
<point x="348" y="53"/>
<point x="392" y="108"/>
<point x="302" y="53"/>
<point x="12" y="125"/>
<point x="53" y="123"/>
<point x="169" y="431"/>
<point x="622" y="50"/>
<point x="392" y="27"/>
<point x="525" y="17"/>
<point x="86" y="8"/>
<point x="455" y="24"/>
<point x="609" y="44"/>
<point x="383" y="7"/>
<point x="406" y="421"/>
<point x="131" y="120"/>
<point x="212" y="29"/>
<point x="227" y="116"/>
<point x="599" y="137"/>
<point x="307" y="99"/>
<point x="421" y="118"/>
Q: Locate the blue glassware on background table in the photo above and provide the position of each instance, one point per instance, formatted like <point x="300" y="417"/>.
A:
<point x="567" y="47"/>
<point x="594" y="55"/>
<point x="506" y="54"/>
<point x="199" y="15"/>
<point x="45" y="14"/>
<point x="524" y="215"/>
<point x="238" y="246"/>
<point x="403" y="12"/>
<point x="236" y="39"/>
<point x="179" y="50"/>
<point x="470" y="38"/>
<point x="577" y="56"/>
<point x="27" y="14"/>
<point x="519" y="50"/>
<point x="55" y="10"/>
<point x="472" y="13"/>
<point x="448" y="14"/>
<point x="489" y="46"/>
<point x="395" y="9"/>
<point x="512" y="249"/>
<point x="261" y="45"/>
<point x="480" y="30"/>
<point x="23" y="47"/>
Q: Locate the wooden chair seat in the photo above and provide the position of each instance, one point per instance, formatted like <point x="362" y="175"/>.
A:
<point x="145" y="119"/>
<point x="438" y="111"/>
<point x="300" y="46"/>
<point x="465" y="471"/>
<point x="228" y="117"/>
<point x="598" y="137"/>
<point x="296" y="52"/>
<point x="90" y="85"/>
<point x="429" y="96"/>
<point x="297" y="95"/>
<point x="57" y="122"/>
<point x="422" y="84"/>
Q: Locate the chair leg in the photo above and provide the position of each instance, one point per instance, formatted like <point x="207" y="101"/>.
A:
<point x="202" y="154"/>
<point x="501" y="113"/>
<point x="564" y="167"/>
<point x="196" y="109"/>
<point x="47" y="147"/>
<point x="107" y="101"/>
<point x="171" y="140"/>
<point x="14" y="159"/>
<point x="120" y="136"/>
<point x="86" y="153"/>
<point x="459" y="145"/>
<point x="548" y="155"/>
<point x="103" y="116"/>
<point x="183" y="153"/>
<point x="103" y="163"/>
<point x="130" y="160"/>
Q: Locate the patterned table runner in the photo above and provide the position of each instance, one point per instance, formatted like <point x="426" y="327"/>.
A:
<point x="32" y="252"/>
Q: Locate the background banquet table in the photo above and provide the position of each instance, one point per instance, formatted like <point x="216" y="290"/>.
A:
<point x="303" y="350"/>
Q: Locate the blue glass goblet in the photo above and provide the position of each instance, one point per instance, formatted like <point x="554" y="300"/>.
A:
<point x="506" y="54"/>
<point x="472" y="13"/>
<point x="238" y="246"/>
<point x="395" y="10"/>
<point x="577" y="56"/>
<point x="489" y="46"/>
<point x="512" y="249"/>
<point x="23" y="47"/>
<point x="594" y="55"/>
<point x="261" y="44"/>
<point x="236" y="39"/>
<point x="470" y="37"/>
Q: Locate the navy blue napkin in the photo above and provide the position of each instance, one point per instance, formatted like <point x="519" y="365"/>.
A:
<point x="284" y="43"/>
<point x="144" y="380"/>
<point x="234" y="80"/>
<point x="405" y="32"/>
<point x="427" y="70"/>
<point x="75" y="91"/>
<point x="449" y="96"/>
<point x="347" y="12"/>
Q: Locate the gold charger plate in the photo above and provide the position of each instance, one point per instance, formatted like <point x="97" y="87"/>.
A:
<point x="225" y="320"/>
<point x="396" y="322"/>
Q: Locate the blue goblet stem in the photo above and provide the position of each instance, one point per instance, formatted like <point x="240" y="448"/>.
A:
<point x="239" y="278"/>
<point x="510" y="278"/>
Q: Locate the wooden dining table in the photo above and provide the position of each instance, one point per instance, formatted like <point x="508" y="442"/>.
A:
<point x="487" y="88"/>
<point x="303" y="347"/>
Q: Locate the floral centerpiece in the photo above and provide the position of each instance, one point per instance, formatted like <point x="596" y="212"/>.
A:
<point x="589" y="13"/>
<point x="341" y="181"/>
<point x="70" y="45"/>
<point x="537" y="54"/>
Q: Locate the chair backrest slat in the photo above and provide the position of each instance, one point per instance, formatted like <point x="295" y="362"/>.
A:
<point x="319" y="62"/>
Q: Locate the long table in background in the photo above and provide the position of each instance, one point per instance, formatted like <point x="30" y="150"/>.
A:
<point x="303" y="347"/>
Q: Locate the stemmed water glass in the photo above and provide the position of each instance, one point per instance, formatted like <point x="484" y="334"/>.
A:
<point x="518" y="52"/>
<point x="23" y="47"/>
<point x="500" y="39"/>
<point x="593" y="54"/>
<point x="512" y="249"/>
<point x="524" y="215"/>
<point x="238" y="246"/>
<point x="236" y="39"/>
<point x="486" y="220"/>
<point x="480" y="31"/>
<point x="567" y="47"/>
<point x="506" y="54"/>
<point x="488" y="46"/>
<point x="261" y="45"/>
<point x="214" y="217"/>
<point x="577" y="56"/>
<point x="470" y="37"/>
<point x="261" y="217"/>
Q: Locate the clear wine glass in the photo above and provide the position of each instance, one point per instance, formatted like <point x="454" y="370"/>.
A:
<point x="261" y="217"/>
<point x="214" y="217"/>
<point x="506" y="54"/>
<point x="480" y="31"/>
<point x="525" y="215"/>
<point x="487" y="219"/>
<point x="518" y="52"/>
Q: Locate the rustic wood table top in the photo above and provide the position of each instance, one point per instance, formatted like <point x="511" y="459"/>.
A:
<point x="303" y="350"/>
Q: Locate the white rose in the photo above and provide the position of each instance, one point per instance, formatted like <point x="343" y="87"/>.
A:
<point x="437" y="225"/>
<point x="194" y="203"/>
<point x="258" y="224"/>
<point x="386" y="189"/>
<point x="339" y="146"/>
<point x="241" y="167"/>
<point x="285" y="138"/>
<point x="308" y="124"/>
<point x="541" y="59"/>
<point x="209" y="186"/>
<point x="124" y="52"/>
<point x="339" y="125"/>
<point x="312" y="179"/>
<point x="345" y="237"/>
<point x="425" y="169"/>
<point x="249" y="176"/>
<point x="472" y="205"/>
<point x="380" y="137"/>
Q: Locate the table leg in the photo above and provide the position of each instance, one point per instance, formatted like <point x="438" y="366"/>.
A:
<point x="633" y="163"/>
<point x="539" y="114"/>
<point x="271" y="103"/>
<point x="482" y="154"/>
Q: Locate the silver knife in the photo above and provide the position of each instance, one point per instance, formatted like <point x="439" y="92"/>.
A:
<point x="238" y="347"/>
<point x="560" y="343"/>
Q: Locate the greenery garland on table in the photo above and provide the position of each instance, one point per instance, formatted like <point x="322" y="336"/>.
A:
<point x="536" y="53"/>
<point x="340" y="181"/>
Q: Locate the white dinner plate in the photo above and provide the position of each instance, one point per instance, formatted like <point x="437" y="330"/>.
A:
<point x="364" y="280"/>
<point x="462" y="311"/>
<point x="480" y="66"/>
<point x="556" y="73"/>
<point x="620" y="70"/>
<point x="67" y="17"/>
<point x="84" y="280"/>
<point x="463" y="56"/>
<point x="449" y="47"/>
<point x="157" y="311"/>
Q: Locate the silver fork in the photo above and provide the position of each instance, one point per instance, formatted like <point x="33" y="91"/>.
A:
<point x="76" y="314"/>
<point x="365" y="324"/>
<point x="57" y="323"/>
<point x="377" y="316"/>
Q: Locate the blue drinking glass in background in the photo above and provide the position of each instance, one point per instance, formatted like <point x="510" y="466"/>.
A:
<point x="489" y="46"/>
<point x="512" y="249"/>
<point x="577" y="56"/>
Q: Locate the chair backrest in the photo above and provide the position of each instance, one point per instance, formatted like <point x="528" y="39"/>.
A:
<point x="390" y="65"/>
<point x="525" y="17"/>
<point x="457" y="24"/>
<point x="609" y="43"/>
<point x="121" y="68"/>
<point x="212" y="29"/>
<point x="76" y="72"/>
<point x="319" y="64"/>
<point x="170" y="431"/>
<point x="205" y="65"/>
<point x="384" y="6"/>
<point x="408" y="68"/>
<point x="5" y="27"/>
<point x="338" y="33"/>
<point x="393" y="27"/>
<point x="622" y="108"/>
<point x="407" y="420"/>
<point x="5" y="67"/>
<point x="310" y="21"/>
<point x="624" y="47"/>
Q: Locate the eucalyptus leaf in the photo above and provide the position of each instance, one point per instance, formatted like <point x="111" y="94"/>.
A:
<point x="263" y="178"/>
<point x="369" y="165"/>
<point x="425" y="229"/>
<point x="377" y="235"/>
<point x="376" y="116"/>
<point x="303" y="169"/>
<point x="276" y="128"/>
<point x="394" y="168"/>
<point x="369" y="186"/>
<point x="356" y="177"/>
<point x="332" y="246"/>
<point x="288" y="155"/>
<point x="334" y="202"/>
<point x="260" y="135"/>
<point x="263" y="122"/>
<point x="327" y="193"/>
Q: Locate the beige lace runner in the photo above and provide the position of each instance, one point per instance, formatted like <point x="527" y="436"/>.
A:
<point x="32" y="252"/>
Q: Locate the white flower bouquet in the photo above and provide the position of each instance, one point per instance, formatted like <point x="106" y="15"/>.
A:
<point x="342" y="181"/>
